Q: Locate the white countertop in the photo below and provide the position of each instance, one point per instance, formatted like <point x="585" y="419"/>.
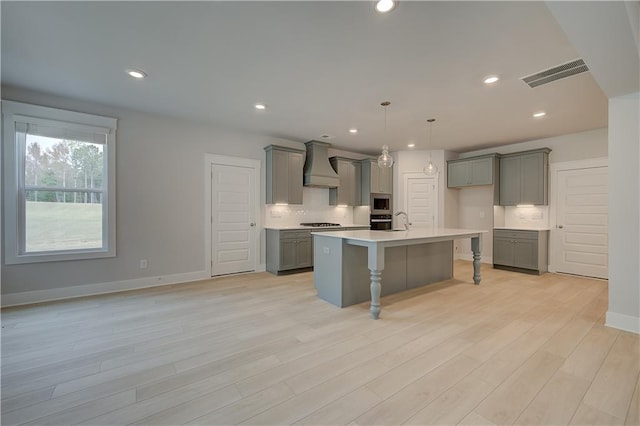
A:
<point x="523" y="228"/>
<point x="401" y="235"/>
<point x="313" y="228"/>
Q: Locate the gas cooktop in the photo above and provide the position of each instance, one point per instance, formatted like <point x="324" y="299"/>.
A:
<point x="319" y="224"/>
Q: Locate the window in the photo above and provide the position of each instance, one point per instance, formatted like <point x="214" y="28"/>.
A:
<point x="59" y="184"/>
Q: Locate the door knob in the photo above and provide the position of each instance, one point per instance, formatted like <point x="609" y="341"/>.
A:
<point x="560" y="226"/>
<point x="252" y="224"/>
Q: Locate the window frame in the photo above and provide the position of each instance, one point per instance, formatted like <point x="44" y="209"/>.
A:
<point x="14" y="186"/>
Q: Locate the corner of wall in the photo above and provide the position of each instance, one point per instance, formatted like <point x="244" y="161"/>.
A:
<point x="623" y="322"/>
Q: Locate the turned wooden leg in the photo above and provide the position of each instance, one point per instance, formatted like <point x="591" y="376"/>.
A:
<point x="376" y="277"/>
<point x="475" y="248"/>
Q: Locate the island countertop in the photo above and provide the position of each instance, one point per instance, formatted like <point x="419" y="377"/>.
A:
<point x="368" y="236"/>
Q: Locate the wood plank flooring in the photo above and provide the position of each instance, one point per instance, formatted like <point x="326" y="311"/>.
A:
<point x="259" y="349"/>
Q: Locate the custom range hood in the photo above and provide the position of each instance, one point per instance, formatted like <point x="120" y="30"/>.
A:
<point x="317" y="170"/>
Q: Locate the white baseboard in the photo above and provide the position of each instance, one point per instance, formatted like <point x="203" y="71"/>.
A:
<point x="37" y="296"/>
<point x="623" y="322"/>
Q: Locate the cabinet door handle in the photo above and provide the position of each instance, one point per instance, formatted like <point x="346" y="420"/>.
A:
<point x="252" y="224"/>
<point x="560" y="226"/>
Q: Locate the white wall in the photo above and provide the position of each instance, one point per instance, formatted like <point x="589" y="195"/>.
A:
<point x="160" y="193"/>
<point x="572" y="147"/>
<point x="624" y="213"/>
<point x="475" y="211"/>
<point x="413" y="161"/>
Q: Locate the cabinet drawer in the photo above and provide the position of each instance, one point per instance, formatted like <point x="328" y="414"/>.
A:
<point x="515" y="234"/>
<point x="294" y="235"/>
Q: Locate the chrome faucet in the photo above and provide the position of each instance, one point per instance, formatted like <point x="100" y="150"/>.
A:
<point x="406" y="219"/>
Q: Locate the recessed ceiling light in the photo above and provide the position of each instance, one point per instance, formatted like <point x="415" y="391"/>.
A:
<point x="260" y="106"/>
<point x="353" y="130"/>
<point x="411" y="145"/>
<point x="137" y="74"/>
<point x="384" y="6"/>
<point x="539" y="114"/>
<point x="490" y="79"/>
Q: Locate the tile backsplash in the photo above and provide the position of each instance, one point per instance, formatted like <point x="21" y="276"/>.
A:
<point x="534" y="216"/>
<point x="315" y="208"/>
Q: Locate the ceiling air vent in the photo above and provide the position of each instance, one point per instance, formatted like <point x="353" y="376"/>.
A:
<point x="556" y="73"/>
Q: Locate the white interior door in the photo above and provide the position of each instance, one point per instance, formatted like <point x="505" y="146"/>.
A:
<point x="582" y="221"/>
<point x="233" y="223"/>
<point x="421" y="200"/>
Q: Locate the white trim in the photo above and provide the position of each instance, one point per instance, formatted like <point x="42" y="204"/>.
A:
<point x="38" y="296"/>
<point x="623" y="322"/>
<point x="13" y="220"/>
<point x="37" y="111"/>
<point x="554" y="168"/>
<point x="209" y="160"/>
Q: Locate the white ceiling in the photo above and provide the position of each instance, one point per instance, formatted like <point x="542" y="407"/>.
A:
<point x="321" y="67"/>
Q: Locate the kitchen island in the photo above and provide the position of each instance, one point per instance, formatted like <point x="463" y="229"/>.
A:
<point x="347" y="262"/>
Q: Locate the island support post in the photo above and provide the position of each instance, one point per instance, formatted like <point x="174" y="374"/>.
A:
<point x="376" y="265"/>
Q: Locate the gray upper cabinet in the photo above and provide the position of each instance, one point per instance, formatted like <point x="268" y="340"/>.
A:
<point x="375" y="179"/>
<point x="472" y="171"/>
<point x="349" y="191"/>
<point x="284" y="175"/>
<point x="524" y="178"/>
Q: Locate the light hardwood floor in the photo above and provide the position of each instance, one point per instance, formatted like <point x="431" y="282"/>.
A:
<point x="260" y="349"/>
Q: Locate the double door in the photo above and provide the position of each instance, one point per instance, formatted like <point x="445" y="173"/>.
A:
<point x="524" y="178"/>
<point x="296" y="250"/>
<point x="517" y="253"/>
<point x="522" y="249"/>
<point x="349" y="191"/>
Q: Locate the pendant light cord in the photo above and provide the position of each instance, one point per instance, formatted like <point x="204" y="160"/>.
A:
<point x="430" y="121"/>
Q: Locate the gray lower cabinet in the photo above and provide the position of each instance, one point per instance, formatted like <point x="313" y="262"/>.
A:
<point x="289" y="250"/>
<point x="524" y="178"/>
<point x="284" y="175"/>
<point x="472" y="171"/>
<point x="525" y="250"/>
<point x="349" y="191"/>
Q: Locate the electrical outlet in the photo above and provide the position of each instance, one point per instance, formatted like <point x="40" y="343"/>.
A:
<point x="143" y="263"/>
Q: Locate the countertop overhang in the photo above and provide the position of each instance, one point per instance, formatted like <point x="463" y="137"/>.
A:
<point x="523" y="228"/>
<point x="313" y="228"/>
<point x="402" y="237"/>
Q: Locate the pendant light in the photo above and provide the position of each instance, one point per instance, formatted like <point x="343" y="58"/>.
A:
<point x="385" y="159"/>
<point x="430" y="169"/>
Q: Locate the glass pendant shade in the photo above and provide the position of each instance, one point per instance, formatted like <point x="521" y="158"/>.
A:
<point x="430" y="169"/>
<point x="385" y="159"/>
